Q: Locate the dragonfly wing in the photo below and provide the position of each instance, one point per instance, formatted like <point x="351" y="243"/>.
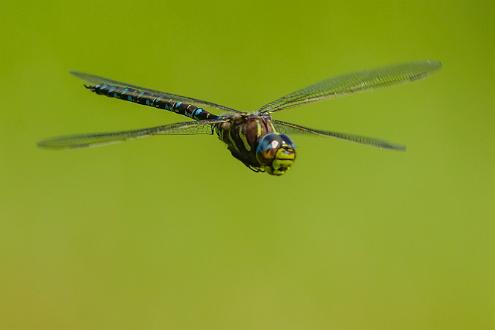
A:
<point x="290" y="128"/>
<point x="98" y="139"/>
<point x="354" y="82"/>
<point x="96" y="80"/>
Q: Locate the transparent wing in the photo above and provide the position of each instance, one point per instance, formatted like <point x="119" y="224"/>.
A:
<point x="95" y="80"/>
<point x="354" y="82"/>
<point x="290" y="128"/>
<point x="98" y="139"/>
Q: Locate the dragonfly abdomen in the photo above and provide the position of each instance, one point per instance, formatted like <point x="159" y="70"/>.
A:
<point x="151" y="100"/>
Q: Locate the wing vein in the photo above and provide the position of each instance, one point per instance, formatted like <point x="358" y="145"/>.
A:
<point x="290" y="128"/>
<point x="95" y="80"/>
<point x="99" y="139"/>
<point x="353" y="83"/>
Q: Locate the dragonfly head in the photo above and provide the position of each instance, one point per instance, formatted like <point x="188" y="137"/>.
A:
<point x="275" y="153"/>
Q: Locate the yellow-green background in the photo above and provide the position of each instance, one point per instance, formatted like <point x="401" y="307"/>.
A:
<point x="173" y="233"/>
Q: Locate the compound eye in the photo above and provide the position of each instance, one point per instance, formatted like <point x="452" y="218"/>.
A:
<point x="269" y="141"/>
<point x="288" y="141"/>
<point x="268" y="146"/>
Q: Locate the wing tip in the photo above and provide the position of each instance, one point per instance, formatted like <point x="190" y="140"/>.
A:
<point x="434" y="64"/>
<point x="76" y="73"/>
<point x="427" y="66"/>
<point x="63" y="142"/>
<point x="398" y="147"/>
<point x="51" y="144"/>
<point x="47" y="145"/>
<point x="84" y="76"/>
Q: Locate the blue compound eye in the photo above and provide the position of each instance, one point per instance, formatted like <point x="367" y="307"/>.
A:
<point x="269" y="142"/>
<point x="288" y="141"/>
<point x="267" y="148"/>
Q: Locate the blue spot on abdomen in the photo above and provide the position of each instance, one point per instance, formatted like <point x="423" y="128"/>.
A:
<point x="197" y="112"/>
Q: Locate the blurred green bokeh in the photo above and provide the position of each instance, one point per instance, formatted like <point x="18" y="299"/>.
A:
<point x="173" y="233"/>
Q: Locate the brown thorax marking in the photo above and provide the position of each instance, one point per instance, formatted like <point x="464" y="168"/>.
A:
<point x="241" y="134"/>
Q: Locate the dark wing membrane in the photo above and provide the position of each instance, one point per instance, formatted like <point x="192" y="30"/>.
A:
<point x="290" y="128"/>
<point x="98" y="139"/>
<point x="95" y="80"/>
<point x="354" y="82"/>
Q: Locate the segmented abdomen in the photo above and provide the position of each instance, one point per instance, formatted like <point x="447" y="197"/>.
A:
<point x="152" y="100"/>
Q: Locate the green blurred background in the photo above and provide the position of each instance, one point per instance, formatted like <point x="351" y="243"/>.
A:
<point x="173" y="233"/>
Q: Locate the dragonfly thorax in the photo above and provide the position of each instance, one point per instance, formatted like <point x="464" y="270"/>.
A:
<point x="253" y="140"/>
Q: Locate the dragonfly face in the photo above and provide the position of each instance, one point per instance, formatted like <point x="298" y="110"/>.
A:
<point x="275" y="153"/>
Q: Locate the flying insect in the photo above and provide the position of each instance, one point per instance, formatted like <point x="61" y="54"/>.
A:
<point x="258" y="141"/>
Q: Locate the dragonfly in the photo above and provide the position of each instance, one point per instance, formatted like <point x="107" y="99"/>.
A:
<point x="254" y="138"/>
